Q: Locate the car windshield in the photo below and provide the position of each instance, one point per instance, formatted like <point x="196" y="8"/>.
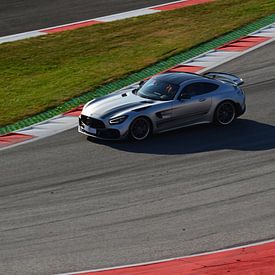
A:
<point x="157" y="89"/>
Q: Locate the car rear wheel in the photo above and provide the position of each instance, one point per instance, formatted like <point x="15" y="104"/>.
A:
<point x="140" y="129"/>
<point x="225" y="113"/>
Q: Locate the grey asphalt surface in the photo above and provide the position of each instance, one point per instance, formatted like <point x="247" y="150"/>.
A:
<point x="18" y="16"/>
<point x="68" y="204"/>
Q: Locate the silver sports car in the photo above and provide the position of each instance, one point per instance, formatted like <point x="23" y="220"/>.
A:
<point x="165" y="102"/>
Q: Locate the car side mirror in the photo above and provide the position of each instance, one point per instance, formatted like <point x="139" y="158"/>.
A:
<point x="141" y="83"/>
<point x="134" y="91"/>
<point x="184" y="96"/>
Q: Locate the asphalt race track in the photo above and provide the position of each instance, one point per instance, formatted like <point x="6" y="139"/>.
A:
<point x="18" y="16"/>
<point x="69" y="204"/>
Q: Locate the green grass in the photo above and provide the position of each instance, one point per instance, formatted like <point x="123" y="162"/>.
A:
<point x="40" y="73"/>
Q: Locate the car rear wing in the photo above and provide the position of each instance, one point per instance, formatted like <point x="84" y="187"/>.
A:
<point x="230" y="78"/>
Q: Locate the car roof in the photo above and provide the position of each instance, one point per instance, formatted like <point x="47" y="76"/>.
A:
<point x="177" y="78"/>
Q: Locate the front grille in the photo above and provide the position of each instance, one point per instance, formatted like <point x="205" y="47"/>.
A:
<point x="108" y="133"/>
<point x="92" y="122"/>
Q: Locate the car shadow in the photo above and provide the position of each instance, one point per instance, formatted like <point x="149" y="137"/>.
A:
<point x="243" y="134"/>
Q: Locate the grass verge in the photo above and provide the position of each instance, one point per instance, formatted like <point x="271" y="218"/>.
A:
<point x="44" y="72"/>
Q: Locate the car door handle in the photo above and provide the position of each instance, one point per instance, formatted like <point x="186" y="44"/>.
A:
<point x="202" y="99"/>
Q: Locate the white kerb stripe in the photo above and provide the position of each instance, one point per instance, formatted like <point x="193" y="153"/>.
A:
<point x="20" y="36"/>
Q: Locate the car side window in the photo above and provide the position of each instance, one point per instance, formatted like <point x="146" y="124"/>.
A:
<point x="209" y="87"/>
<point x="199" y="88"/>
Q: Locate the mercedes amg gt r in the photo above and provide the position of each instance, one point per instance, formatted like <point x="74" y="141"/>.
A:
<point x="164" y="102"/>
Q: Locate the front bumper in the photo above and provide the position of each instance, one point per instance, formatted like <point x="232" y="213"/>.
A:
<point x="108" y="134"/>
<point x="99" y="133"/>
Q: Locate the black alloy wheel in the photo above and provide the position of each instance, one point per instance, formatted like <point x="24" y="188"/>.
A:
<point x="140" y="129"/>
<point x="225" y="113"/>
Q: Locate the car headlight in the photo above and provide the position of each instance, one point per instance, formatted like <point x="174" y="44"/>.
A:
<point x="118" y="120"/>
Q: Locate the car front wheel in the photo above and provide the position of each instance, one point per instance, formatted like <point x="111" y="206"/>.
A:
<point x="140" y="129"/>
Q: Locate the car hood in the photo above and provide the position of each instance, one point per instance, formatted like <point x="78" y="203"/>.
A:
<point x="115" y="104"/>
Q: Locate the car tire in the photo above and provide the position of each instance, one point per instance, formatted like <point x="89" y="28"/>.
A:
<point x="225" y="113"/>
<point x="140" y="129"/>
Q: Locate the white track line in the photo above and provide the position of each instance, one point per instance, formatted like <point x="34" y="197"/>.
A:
<point x="171" y="259"/>
<point x="104" y="19"/>
<point x="20" y="36"/>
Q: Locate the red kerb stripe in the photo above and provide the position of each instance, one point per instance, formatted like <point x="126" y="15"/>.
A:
<point x="258" y="259"/>
<point x="72" y="26"/>
<point x="180" y="69"/>
<point x="243" y="44"/>
<point x="74" y="112"/>
<point x="185" y="68"/>
<point x="13" y="138"/>
<point x="181" y="5"/>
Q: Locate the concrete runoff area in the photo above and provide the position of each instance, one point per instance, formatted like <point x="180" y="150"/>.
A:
<point x="68" y="204"/>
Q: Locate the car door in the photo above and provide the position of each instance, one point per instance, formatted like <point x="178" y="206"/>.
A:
<point x="163" y="115"/>
<point x="193" y="103"/>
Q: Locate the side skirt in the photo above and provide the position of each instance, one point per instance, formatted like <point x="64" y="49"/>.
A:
<point x="183" y="126"/>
